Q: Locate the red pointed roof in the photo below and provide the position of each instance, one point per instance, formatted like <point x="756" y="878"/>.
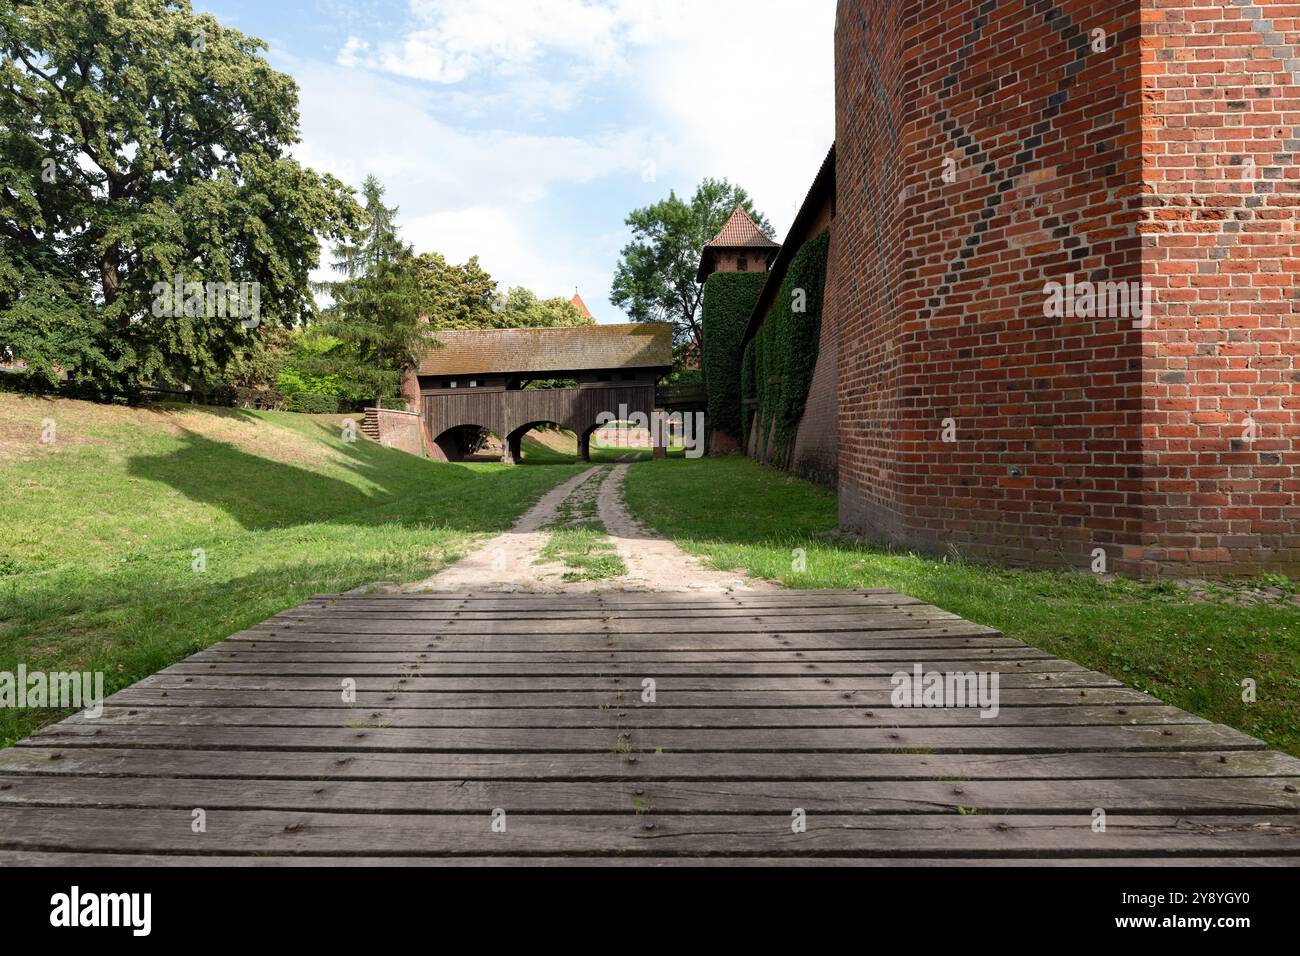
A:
<point x="740" y="232"/>
<point x="582" y="306"/>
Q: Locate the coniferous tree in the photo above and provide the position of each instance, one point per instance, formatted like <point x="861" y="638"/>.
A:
<point x="377" y="306"/>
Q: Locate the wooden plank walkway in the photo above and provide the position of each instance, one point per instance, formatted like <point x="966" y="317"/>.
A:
<point x="765" y="704"/>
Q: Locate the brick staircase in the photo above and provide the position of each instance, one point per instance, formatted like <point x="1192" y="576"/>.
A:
<point x="370" y="424"/>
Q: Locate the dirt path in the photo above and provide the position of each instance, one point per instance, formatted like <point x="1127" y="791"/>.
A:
<point x="512" y="562"/>
<point x="655" y="563"/>
<point x="508" y="561"/>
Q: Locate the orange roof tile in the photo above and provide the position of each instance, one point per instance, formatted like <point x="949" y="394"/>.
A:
<point x="740" y="232"/>
<point x="582" y="306"/>
<point x="579" y="348"/>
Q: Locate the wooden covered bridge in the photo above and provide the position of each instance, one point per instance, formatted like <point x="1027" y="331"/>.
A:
<point x="480" y="379"/>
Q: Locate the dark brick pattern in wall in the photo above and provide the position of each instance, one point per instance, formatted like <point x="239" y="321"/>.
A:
<point x="1166" y="157"/>
<point x="940" y="281"/>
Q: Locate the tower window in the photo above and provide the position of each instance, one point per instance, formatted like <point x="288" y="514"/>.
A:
<point x="742" y="264"/>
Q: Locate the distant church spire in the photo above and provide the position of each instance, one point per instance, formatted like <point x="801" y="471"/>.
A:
<point x="580" y="305"/>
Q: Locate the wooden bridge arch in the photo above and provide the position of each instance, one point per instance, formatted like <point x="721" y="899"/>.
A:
<point x="512" y="413"/>
<point x="475" y="379"/>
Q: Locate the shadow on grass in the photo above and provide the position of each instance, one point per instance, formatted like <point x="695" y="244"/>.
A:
<point x="260" y="492"/>
<point x="363" y="513"/>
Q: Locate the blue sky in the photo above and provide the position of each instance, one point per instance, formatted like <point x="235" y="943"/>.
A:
<point x="524" y="131"/>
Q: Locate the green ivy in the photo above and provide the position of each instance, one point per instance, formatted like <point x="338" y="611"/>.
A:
<point x="747" y="392"/>
<point x="785" y="349"/>
<point x="729" y="299"/>
<point x="311" y="403"/>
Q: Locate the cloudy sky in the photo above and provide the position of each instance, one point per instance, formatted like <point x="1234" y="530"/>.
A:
<point x="524" y="131"/>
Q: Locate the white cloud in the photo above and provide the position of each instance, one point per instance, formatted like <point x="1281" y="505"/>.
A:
<point x="460" y="39"/>
<point x="518" y="46"/>
<point x="746" y="92"/>
<point x="742" y="89"/>
<point x="463" y="192"/>
<point x="447" y="115"/>
<point x="357" y="123"/>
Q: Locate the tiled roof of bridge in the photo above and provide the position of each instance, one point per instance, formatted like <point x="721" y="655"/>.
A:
<point x="570" y="349"/>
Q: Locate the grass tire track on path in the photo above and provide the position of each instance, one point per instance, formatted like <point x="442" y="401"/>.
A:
<point x="581" y="537"/>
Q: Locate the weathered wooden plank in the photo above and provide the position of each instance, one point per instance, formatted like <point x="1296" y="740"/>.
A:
<point x="801" y="767"/>
<point x="669" y="684"/>
<point x="557" y="611"/>
<point x="524" y="625"/>
<point x="629" y="602"/>
<point x="1046" y="696"/>
<point x="623" y="643"/>
<point x="297" y="832"/>
<point x="978" y="739"/>
<point x="597" y="619"/>
<point x="1250" y="795"/>
<point x="895" y="630"/>
<point x="610" y="598"/>
<point x="115" y="860"/>
<point x="959" y="649"/>
<point x="606" y="716"/>
<point x="991" y="662"/>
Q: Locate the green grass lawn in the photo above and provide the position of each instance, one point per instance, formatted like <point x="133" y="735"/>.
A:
<point x="741" y="515"/>
<point x="100" y="528"/>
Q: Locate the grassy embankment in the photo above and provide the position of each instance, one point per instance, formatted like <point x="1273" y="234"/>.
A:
<point x="138" y="536"/>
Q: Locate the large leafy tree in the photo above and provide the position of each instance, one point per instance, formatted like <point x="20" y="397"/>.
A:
<point x="521" y="308"/>
<point x="456" y="296"/>
<point x="140" y="142"/>
<point x="655" y="277"/>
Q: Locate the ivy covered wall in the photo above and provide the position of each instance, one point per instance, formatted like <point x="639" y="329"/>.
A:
<point x="729" y="299"/>
<point x="778" y="362"/>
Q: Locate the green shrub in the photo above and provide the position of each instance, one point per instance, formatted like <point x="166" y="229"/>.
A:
<point x="236" y="396"/>
<point x="309" y="403"/>
<point x="748" y="391"/>
<point x="729" y="299"/>
<point x="785" y="349"/>
<point x="223" y="395"/>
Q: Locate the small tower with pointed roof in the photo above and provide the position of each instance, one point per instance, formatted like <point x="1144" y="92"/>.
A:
<point x="739" y="247"/>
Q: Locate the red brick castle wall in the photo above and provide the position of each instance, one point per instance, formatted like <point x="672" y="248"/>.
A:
<point x="1221" y="370"/>
<point x="866" y="262"/>
<point x="997" y="150"/>
<point x="987" y="149"/>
